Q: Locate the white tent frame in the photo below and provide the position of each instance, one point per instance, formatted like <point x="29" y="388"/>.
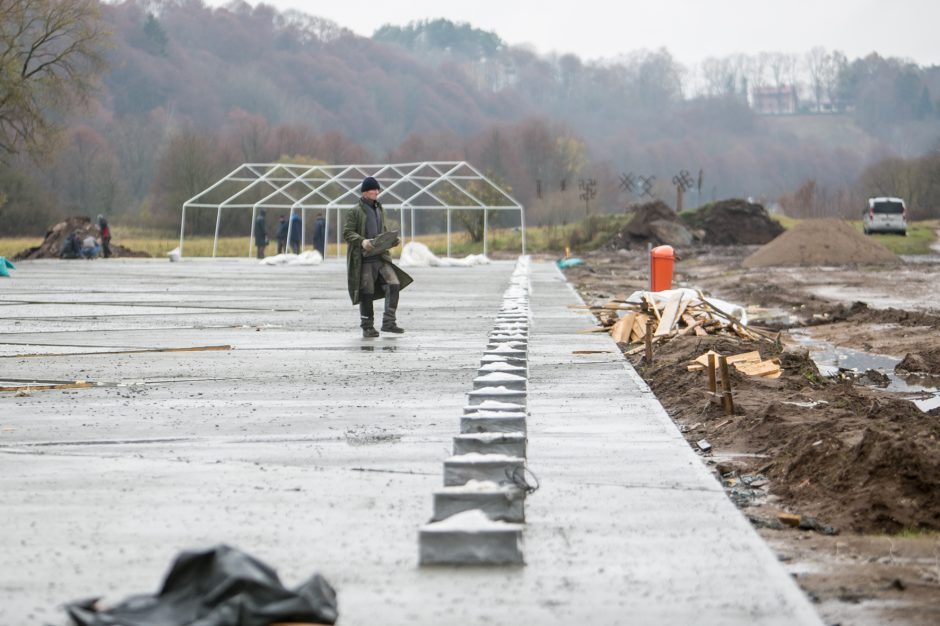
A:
<point x="406" y="187"/>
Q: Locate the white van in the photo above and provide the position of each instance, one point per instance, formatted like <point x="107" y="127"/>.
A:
<point x="885" y="215"/>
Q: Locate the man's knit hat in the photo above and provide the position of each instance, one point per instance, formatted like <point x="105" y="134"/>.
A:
<point x="369" y="183"/>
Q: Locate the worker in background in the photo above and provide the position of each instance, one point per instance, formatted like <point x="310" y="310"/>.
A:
<point x="296" y="230"/>
<point x="90" y="247"/>
<point x="261" y="234"/>
<point x="105" y="234"/>
<point x="319" y="235"/>
<point x="72" y="248"/>
<point x="281" y="235"/>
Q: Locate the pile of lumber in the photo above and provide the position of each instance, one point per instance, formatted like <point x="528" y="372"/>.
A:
<point x="681" y="314"/>
<point x="749" y="363"/>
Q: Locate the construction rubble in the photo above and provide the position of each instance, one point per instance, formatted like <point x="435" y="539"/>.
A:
<point x="677" y="312"/>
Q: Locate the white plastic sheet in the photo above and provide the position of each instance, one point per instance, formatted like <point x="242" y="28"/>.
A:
<point x="416" y="254"/>
<point x="734" y="311"/>
<point x="307" y="257"/>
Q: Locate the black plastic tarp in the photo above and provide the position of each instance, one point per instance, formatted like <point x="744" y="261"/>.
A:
<point x="221" y="586"/>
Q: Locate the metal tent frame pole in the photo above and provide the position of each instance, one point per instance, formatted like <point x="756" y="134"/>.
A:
<point x="417" y="186"/>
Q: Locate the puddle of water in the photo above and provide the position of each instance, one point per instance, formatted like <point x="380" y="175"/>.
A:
<point x="832" y="359"/>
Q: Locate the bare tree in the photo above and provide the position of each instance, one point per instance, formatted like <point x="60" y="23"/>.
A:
<point x="719" y="76"/>
<point x="816" y="61"/>
<point x="835" y="66"/>
<point x="50" y="58"/>
<point x="757" y="71"/>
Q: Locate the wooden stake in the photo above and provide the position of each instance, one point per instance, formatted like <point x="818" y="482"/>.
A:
<point x="726" y="385"/>
<point x="649" y="339"/>
<point x="712" y="387"/>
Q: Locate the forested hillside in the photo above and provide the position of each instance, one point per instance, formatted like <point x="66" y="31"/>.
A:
<point x="190" y="92"/>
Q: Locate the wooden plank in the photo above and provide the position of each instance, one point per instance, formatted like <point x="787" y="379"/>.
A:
<point x="684" y="302"/>
<point x="639" y="327"/>
<point x="694" y="325"/>
<point x="702" y="359"/>
<point x="641" y="347"/>
<point x="29" y="387"/>
<point x="763" y="368"/>
<point x="623" y="328"/>
<point x="744" y="357"/>
<point x="699" y="331"/>
<point x="605" y="307"/>
<point x="652" y="305"/>
<point x="670" y="315"/>
<point x="789" y="519"/>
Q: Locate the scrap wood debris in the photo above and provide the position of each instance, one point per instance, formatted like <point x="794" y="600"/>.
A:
<point x="671" y="313"/>
<point x="749" y="363"/>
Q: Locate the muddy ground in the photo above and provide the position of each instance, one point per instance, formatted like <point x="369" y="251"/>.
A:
<point x="848" y="450"/>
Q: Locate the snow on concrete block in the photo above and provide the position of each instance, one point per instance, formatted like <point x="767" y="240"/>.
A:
<point x="510" y="444"/>
<point x="493" y="406"/>
<point x="499" y="393"/>
<point x="506" y="350"/>
<point x="470" y="538"/>
<point x="505" y="328"/>
<point x="499" y="468"/>
<point x="501" y="366"/>
<point x="495" y="342"/>
<point x="502" y="379"/>
<point x="493" y="422"/>
<point x="517" y="361"/>
<point x="517" y="317"/>
<point x="499" y="502"/>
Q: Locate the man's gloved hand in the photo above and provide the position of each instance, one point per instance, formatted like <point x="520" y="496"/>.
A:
<point x="367" y="245"/>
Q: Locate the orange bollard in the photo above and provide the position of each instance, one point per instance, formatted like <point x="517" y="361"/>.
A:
<point x="662" y="259"/>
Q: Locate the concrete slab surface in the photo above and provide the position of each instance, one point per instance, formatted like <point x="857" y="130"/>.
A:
<point x="313" y="449"/>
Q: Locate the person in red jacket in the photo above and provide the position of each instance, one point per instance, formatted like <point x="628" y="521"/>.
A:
<point x="105" y="231"/>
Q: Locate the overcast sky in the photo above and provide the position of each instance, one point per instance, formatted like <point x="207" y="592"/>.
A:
<point x="691" y="30"/>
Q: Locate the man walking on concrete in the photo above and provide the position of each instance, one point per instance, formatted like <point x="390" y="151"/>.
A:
<point x="371" y="276"/>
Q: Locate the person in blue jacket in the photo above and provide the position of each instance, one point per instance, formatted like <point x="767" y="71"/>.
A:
<point x="319" y="235"/>
<point x="296" y="229"/>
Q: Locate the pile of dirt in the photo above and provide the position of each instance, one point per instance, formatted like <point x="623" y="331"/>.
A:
<point x="821" y="242"/>
<point x="921" y="362"/>
<point x="655" y="223"/>
<point x="860" y="312"/>
<point x="853" y="457"/>
<point x="734" y="222"/>
<point x="51" y="247"/>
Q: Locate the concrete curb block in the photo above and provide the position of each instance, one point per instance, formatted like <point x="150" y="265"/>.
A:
<point x="481" y="480"/>
<point x="509" y="444"/>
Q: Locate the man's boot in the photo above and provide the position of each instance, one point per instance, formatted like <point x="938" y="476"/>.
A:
<point x="391" y="306"/>
<point x="367" y="316"/>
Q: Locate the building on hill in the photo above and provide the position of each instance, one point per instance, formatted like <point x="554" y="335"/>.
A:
<point x="780" y="100"/>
